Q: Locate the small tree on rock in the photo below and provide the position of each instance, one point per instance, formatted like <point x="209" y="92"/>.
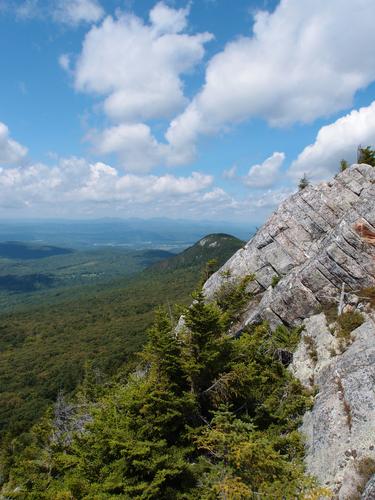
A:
<point x="303" y="183"/>
<point x="366" y="155"/>
<point x="343" y="165"/>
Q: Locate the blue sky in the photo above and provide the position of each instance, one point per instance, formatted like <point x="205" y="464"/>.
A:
<point x="208" y="108"/>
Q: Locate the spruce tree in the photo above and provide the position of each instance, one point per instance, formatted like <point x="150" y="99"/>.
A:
<point x="366" y="155"/>
<point x="303" y="183"/>
<point x="205" y="345"/>
<point x="344" y="165"/>
<point x="163" y="350"/>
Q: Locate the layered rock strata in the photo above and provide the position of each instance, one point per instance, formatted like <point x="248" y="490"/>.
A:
<point x="312" y="246"/>
<point x="316" y="250"/>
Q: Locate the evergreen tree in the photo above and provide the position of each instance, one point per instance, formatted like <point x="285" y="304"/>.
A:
<point x="344" y="165"/>
<point x="205" y="345"/>
<point x="244" y="463"/>
<point x="163" y="350"/>
<point x="303" y="183"/>
<point x="366" y="155"/>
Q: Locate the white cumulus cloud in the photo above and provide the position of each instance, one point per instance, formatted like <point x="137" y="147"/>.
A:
<point x="334" y="142"/>
<point x="73" y="183"/>
<point x="137" y="149"/>
<point x="11" y="152"/>
<point x="137" y="67"/>
<point x="300" y="63"/>
<point x="265" y="174"/>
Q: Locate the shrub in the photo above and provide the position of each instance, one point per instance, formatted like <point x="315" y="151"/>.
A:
<point x="343" y="165"/>
<point x="347" y="322"/>
<point x="275" y="279"/>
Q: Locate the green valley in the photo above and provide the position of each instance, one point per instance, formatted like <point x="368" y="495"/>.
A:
<point x="44" y="346"/>
<point x="30" y="273"/>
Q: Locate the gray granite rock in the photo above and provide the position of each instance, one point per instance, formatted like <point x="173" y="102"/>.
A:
<point x="311" y="243"/>
<point x="369" y="493"/>
<point x="340" y="429"/>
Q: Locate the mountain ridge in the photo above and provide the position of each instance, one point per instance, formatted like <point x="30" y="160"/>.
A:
<point x="213" y="246"/>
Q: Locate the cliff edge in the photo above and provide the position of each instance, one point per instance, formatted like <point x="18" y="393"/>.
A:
<point x="314" y="253"/>
<point x="311" y="245"/>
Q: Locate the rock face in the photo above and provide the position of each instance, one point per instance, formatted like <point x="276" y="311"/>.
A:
<point x="311" y="243"/>
<point x="340" y="429"/>
<point x="369" y="492"/>
<point x="314" y="244"/>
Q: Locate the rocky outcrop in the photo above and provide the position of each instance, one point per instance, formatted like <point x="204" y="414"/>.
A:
<point x="369" y="493"/>
<point x="317" y="245"/>
<point x="311" y="244"/>
<point x="340" y="429"/>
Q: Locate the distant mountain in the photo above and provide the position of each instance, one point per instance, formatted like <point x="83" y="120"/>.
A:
<point x="29" y="268"/>
<point x="219" y="247"/>
<point x="167" y="234"/>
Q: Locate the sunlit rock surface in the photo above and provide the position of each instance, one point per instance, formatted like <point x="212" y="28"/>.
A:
<point x="311" y="243"/>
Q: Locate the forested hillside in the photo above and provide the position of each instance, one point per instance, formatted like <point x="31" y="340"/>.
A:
<point x="33" y="273"/>
<point x="43" y="349"/>
<point x="203" y="416"/>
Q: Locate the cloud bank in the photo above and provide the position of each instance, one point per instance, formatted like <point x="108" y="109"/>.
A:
<point x="11" y="152"/>
<point x="74" y="185"/>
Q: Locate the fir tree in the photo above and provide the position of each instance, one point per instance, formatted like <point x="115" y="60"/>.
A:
<point x="366" y="155"/>
<point x="344" y="165"/>
<point x="303" y="183"/>
<point x="205" y="346"/>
